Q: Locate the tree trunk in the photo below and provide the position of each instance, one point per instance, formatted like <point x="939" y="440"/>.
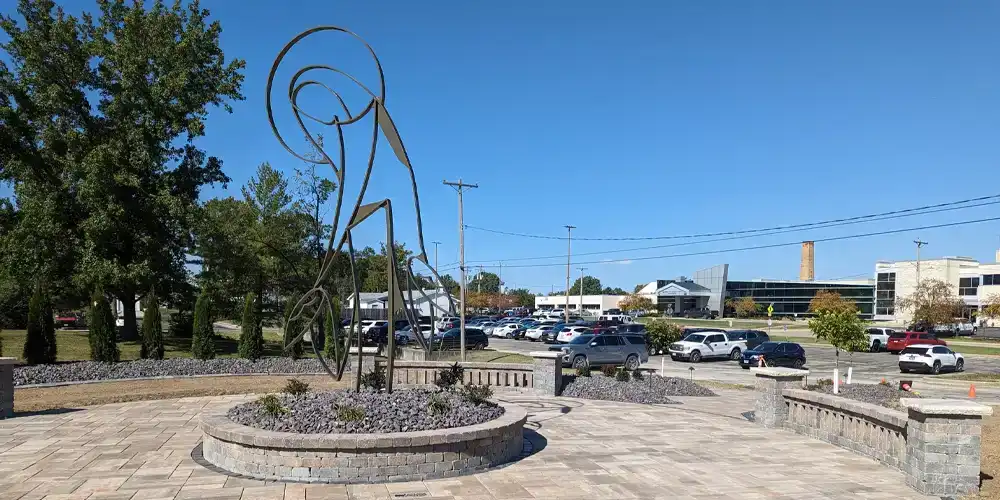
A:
<point x="129" y="330"/>
<point x="837" y="362"/>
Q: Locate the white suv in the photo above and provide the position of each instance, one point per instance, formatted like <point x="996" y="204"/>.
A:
<point x="447" y="323"/>
<point x="571" y="332"/>
<point x="930" y="358"/>
<point x="505" y="330"/>
<point x="535" y="333"/>
<point x="698" y="346"/>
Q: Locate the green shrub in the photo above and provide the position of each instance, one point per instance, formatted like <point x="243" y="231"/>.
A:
<point x="348" y="413"/>
<point x="203" y="339"/>
<point x="622" y="375"/>
<point x="821" y="383"/>
<point x="608" y="370"/>
<point x="292" y="328"/>
<point x="251" y="335"/>
<point x="374" y="379"/>
<point x="637" y="374"/>
<point x="152" y="330"/>
<point x="181" y="325"/>
<point x="438" y="405"/>
<point x="660" y="334"/>
<point x="39" y="345"/>
<point x="448" y="377"/>
<point x="336" y="345"/>
<point x="272" y="405"/>
<point x="477" y="394"/>
<point x="101" y="334"/>
<point x="583" y="371"/>
<point x="295" y="387"/>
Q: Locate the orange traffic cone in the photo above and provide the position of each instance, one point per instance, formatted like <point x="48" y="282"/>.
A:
<point x="972" y="391"/>
<point x="760" y="361"/>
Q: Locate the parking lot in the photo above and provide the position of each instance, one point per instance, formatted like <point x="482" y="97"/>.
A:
<point x="868" y="367"/>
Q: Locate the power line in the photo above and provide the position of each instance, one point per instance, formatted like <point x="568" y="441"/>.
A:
<point x="772" y="245"/>
<point x="745" y="231"/>
<point x="737" y="237"/>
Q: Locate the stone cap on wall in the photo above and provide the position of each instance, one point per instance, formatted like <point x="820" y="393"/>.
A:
<point x="946" y="407"/>
<point x="474" y="365"/>
<point x="8" y="361"/>
<point x="777" y="372"/>
<point x="219" y="426"/>
<point x="364" y="350"/>
<point x="892" y="418"/>
<point x="546" y="354"/>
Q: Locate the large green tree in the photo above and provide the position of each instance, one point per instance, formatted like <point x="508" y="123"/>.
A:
<point x="484" y="282"/>
<point x="99" y="117"/>
<point x="591" y="286"/>
<point x="257" y="244"/>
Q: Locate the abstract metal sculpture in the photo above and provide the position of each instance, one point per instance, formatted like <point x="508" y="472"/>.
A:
<point x="319" y="301"/>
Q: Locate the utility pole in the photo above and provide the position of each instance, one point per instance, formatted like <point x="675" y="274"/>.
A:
<point x="479" y="280"/>
<point x="919" y="244"/>
<point x="460" y="187"/>
<point x="582" y="269"/>
<point x="436" y="243"/>
<point x="500" y="277"/>
<point x="569" y="253"/>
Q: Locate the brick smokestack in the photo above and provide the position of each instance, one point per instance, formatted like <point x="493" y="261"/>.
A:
<point x="807" y="268"/>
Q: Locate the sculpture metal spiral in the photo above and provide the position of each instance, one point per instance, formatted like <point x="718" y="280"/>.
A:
<point x="314" y="303"/>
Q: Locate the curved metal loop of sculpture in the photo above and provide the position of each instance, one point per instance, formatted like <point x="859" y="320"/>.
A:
<point x="318" y="302"/>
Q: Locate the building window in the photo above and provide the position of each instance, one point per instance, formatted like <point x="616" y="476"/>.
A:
<point x="968" y="286"/>
<point x="991" y="279"/>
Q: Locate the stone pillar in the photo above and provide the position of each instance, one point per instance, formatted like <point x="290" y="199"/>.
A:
<point x="547" y="373"/>
<point x="770" y="409"/>
<point x="412" y="354"/>
<point x="368" y="360"/>
<point x="7" y="387"/>
<point x="943" y="439"/>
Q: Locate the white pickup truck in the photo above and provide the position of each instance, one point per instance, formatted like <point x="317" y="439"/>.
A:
<point x="707" y="344"/>
<point x="878" y="338"/>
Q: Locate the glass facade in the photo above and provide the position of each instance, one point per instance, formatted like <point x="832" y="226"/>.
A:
<point x="793" y="297"/>
<point x="885" y="294"/>
<point x="991" y="279"/>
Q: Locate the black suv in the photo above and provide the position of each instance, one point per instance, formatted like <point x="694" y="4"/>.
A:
<point x="754" y="338"/>
<point x="451" y="339"/>
<point x="632" y="328"/>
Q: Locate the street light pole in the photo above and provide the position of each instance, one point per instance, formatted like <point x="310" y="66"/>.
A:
<point x="919" y="244"/>
<point x="569" y="253"/>
<point x="582" y="269"/>
<point x="436" y="243"/>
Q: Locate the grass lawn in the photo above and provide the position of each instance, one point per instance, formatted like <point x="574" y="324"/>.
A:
<point x="756" y="324"/>
<point x="47" y="398"/>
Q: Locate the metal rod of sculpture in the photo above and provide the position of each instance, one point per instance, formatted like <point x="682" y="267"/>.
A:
<point x="317" y="302"/>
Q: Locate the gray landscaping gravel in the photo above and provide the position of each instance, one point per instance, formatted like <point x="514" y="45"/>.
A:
<point x="877" y="394"/>
<point x="89" y="370"/>
<point x="651" y="389"/>
<point x="402" y="411"/>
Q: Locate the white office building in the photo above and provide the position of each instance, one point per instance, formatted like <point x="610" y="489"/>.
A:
<point x="590" y="304"/>
<point x="970" y="279"/>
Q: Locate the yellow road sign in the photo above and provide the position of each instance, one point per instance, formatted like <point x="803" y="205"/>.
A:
<point x="770" y="309"/>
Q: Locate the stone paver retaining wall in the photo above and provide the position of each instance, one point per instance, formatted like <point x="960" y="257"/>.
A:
<point x="7" y="387"/>
<point x="363" y="458"/>
<point x="500" y="376"/>
<point x="867" y="429"/>
<point x="936" y="444"/>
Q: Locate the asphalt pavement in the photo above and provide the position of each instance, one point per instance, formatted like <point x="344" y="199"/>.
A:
<point x="821" y="361"/>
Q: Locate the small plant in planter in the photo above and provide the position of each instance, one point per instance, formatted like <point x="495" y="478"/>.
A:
<point x="447" y="378"/>
<point x="438" y="405"/>
<point x="637" y="374"/>
<point x="608" y="370"/>
<point x="583" y="371"/>
<point x="477" y="394"/>
<point x="271" y="405"/>
<point x="348" y="413"/>
<point x="374" y="379"/>
<point x="295" y="387"/>
<point x="622" y="375"/>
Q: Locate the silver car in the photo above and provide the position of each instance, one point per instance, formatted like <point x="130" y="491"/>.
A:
<point x="606" y="349"/>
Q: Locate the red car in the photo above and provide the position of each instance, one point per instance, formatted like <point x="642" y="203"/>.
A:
<point x="69" y="320"/>
<point x="901" y="340"/>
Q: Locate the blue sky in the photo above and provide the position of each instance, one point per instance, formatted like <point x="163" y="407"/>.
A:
<point x="650" y="118"/>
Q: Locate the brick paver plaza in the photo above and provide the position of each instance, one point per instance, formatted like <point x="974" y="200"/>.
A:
<point x="702" y="448"/>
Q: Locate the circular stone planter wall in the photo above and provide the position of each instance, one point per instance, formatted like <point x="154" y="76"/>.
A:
<point x="363" y="458"/>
